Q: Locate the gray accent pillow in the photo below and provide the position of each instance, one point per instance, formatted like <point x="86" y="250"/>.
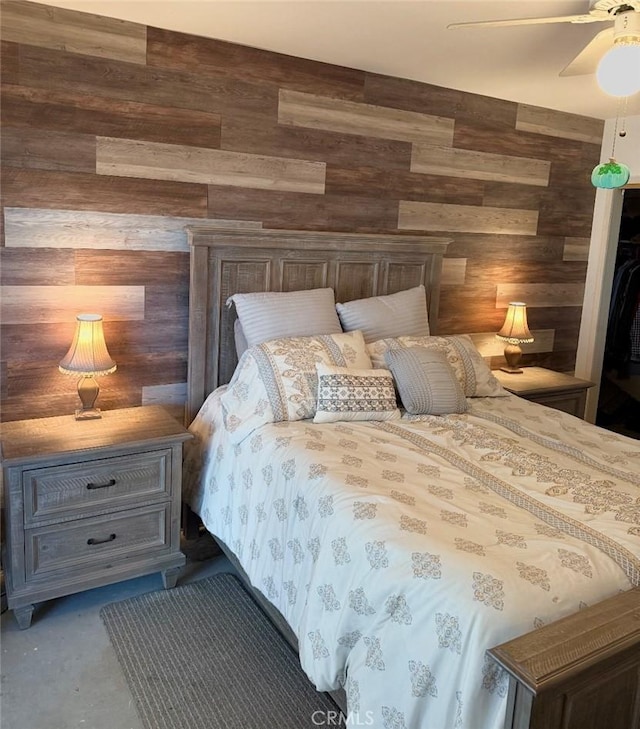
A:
<point x="472" y="372"/>
<point x="396" y="315"/>
<point x="270" y="315"/>
<point x="426" y="382"/>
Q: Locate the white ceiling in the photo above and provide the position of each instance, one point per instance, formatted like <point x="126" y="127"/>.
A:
<point x="406" y="38"/>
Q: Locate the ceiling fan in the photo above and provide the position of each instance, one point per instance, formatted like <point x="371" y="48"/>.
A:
<point x="624" y="35"/>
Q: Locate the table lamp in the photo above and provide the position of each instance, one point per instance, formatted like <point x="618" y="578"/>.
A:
<point x="514" y="331"/>
<point x="88" y="357"/>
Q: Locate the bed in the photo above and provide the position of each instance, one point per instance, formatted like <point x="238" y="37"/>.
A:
<point x="472" y="570"/>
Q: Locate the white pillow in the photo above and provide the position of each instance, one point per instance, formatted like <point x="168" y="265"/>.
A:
<point x="350" y="394"/>
<point x="278" y="380"/>
<point x="471" y="370"/>
<point x="394" y="315"/>
<point x="239" y="339"/>
<point x="269" y="315"/>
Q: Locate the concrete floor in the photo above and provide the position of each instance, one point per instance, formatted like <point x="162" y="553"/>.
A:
<point x="62" y="673"/>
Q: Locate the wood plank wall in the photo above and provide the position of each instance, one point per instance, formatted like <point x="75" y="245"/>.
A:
<point x="115" y="136"/>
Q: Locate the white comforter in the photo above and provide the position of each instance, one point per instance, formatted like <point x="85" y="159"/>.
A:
<point x="399" y="552"/>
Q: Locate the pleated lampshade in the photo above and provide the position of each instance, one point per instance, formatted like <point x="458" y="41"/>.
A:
<point x="88" y="353"/>
<point x="515" y="327"/>
<point x="514" y="331"/>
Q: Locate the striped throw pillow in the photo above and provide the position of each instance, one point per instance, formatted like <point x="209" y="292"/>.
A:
<point x="394" y="315"/>
<point x="276" y="315"/>
<point x="426" y="382"/>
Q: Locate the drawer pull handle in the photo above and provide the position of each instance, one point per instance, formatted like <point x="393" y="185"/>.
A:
<point x="110" y="538"/>
<point x="110" y="482"/>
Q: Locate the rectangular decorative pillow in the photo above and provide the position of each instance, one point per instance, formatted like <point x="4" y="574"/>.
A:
<point x="426" y="382"/>
<point x="394" y="315"/>
<point x="471" y="371"/>
<point x="274" y="315"/>
<point x="278" y="380"/>
<point x="354" y="394"/>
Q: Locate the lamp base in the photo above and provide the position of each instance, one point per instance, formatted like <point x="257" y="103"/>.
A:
<point x="88" y="392"/>
<point x="512" y="354"/>
<point x="512" y="370"/>
<point x="89" y="414"/>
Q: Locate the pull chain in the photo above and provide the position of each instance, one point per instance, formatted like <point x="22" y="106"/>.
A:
<point x="621" y="116"/>
<point x="613" y="174"/>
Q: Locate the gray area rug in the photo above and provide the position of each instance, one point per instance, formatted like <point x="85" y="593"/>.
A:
<point x="204" y="655"/>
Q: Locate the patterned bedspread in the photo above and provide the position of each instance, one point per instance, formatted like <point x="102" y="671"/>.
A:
<point x="400" y="551"/>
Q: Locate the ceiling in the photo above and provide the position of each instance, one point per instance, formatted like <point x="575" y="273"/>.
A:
<point x="406" y="38"/>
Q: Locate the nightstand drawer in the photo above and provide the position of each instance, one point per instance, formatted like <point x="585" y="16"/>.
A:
<point x="572" y="402"/>
<point x="80" y="489"/>
<point x="88" y="543"/>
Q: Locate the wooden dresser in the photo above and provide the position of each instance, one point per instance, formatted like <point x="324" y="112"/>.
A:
<point x="91" y="502"/>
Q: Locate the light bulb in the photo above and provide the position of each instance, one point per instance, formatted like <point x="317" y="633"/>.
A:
<point x="618" y="72"/>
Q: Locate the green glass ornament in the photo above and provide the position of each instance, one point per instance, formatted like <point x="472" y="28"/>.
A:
<point x="610" y="175"/>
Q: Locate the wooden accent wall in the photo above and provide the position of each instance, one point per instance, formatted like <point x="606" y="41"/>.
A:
<point x="116" y="136"/>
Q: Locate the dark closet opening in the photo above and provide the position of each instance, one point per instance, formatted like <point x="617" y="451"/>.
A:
<point x="619" y="401"/>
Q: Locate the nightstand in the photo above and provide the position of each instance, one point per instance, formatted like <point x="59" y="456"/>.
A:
<point x="90" y="502"/>
<point x="554" y="389"/>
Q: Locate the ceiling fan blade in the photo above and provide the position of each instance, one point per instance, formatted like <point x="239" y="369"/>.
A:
<point x="587" y="60"/>
<point x="593" y="17"/>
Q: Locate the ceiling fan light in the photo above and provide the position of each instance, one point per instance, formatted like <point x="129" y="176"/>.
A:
<point x="618" y="72"/>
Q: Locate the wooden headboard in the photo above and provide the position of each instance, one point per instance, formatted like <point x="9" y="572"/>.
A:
<point x="229" y="261"/>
